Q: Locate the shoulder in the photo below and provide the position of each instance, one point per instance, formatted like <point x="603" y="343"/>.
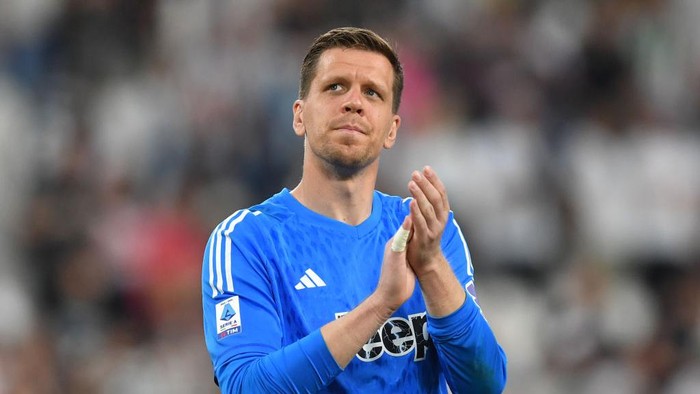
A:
<point x="401" y="206"/>
<point x="255" y="220"/>
<point x="393" y="203"/>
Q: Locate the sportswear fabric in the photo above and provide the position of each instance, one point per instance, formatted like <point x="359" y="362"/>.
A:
<point x="275" y="273"/>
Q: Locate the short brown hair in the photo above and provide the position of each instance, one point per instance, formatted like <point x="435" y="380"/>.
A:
<point x="351" y="38"/>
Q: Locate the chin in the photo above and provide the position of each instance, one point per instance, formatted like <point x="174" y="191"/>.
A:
<point x="345" y="167"/>
<point x="346" y="161"/>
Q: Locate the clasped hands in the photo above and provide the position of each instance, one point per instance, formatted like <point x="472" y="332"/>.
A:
<point x="429" y="211"/>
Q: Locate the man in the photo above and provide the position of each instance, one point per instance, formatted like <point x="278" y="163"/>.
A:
<point x="303" y="292"/>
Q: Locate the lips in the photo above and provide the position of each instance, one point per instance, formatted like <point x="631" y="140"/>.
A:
<point x="351" y="127"/>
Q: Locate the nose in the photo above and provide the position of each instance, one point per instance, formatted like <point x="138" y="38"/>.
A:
<point x="353" y="103"/>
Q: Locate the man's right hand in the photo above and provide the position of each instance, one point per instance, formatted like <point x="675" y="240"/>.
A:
<point x="397" y="280"/>
<point x="346" y="335"/>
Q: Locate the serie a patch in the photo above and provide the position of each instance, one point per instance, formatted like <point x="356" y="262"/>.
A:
<point x="228" y="317"/>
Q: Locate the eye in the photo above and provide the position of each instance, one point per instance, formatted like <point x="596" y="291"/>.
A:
<point x="372" y="93"/>
<point x="334" y="87"/>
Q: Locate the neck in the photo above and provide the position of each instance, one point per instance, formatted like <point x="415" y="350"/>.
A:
<point x="346" y="199"/>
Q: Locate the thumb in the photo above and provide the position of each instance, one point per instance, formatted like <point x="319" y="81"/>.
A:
<point x="400" y="239"/>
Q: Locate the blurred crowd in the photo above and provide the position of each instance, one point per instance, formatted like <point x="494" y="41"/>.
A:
<point x="567" y="133"/>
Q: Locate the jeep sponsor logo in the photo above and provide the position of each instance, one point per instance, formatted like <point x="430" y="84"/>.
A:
<point x="398" y="336"/>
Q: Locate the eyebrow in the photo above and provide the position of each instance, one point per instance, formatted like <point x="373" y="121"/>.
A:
<point x="366" y="82"/>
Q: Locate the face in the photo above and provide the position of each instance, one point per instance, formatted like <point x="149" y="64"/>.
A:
<point x="347" y="117"/>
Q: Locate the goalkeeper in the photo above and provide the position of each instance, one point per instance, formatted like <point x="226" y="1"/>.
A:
<point x="305" y="293"/>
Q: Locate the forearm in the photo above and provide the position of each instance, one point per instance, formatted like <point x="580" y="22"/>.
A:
<point x="303" y="366"/>
<point x="468" y="351"/>
<point x="312" y="362"/>
<point x="346" y="335"/>
<point x="467" y="348"/>
<point x="441" y="289"/>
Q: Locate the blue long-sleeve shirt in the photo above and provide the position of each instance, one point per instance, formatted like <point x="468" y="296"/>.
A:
<point x="275" y="273"/>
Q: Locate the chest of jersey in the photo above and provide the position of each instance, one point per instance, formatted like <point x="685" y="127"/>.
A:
<point x="326" y="275"/>
<point x="323" y="274"/>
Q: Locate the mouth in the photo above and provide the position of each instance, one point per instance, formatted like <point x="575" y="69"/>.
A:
<point x="350" y="128"/>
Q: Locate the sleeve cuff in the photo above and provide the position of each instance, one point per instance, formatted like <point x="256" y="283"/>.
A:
<point x="316" y="351"/>
<point x="454" y="324"/>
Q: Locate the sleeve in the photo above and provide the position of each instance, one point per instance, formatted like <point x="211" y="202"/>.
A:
<point x="242" y="326"/>
<point x="469" y="355"/>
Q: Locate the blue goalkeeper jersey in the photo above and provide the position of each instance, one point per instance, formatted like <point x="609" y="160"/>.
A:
<point x="273" y="274"/>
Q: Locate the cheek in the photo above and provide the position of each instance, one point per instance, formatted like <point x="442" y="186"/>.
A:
<point x="386" y="125"/>
<point x="313" y="118"/>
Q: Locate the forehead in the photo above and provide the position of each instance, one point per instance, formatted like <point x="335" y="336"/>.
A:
<point x="344" y="62"/>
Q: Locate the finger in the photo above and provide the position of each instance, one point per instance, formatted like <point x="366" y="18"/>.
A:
<point x="432" y="194"/>
<point x="420" y="226"/>
<point x="423" y="204"/>
<point x="432" y="176"/>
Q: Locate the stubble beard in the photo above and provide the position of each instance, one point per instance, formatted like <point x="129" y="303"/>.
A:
<point x="342" y="165"/>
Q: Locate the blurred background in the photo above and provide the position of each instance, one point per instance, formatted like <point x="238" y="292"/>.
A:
<point x="566" y="132"/>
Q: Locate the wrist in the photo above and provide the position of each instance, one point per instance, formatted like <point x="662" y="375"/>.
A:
<point x="430" y="267"/>
<point x="442" y="291"/>
<point x="380" y="308"/>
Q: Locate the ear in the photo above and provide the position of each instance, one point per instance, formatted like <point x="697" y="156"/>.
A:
<point x="390" y="139"/>
<point x="298" y="118"/>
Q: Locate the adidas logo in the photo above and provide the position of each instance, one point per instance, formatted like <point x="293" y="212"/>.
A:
<point x="309" y="281"/>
